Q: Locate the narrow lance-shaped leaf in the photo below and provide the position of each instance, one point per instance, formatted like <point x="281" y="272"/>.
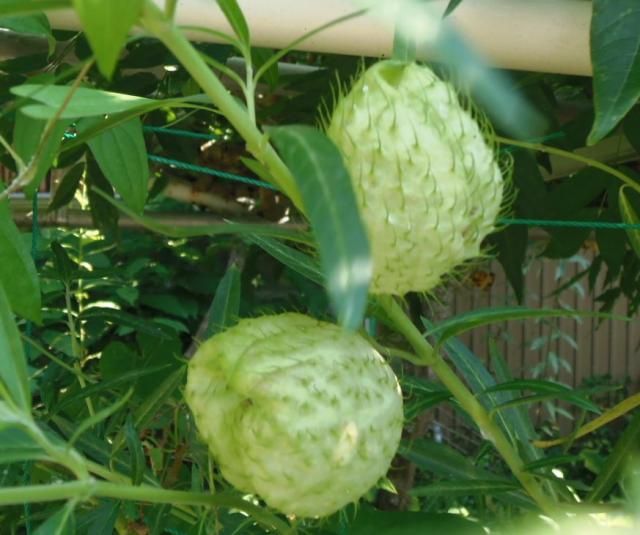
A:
<point x="225" y="307"/>
<point x="14" y="379"/>
<point x="615" y="55"/>
<point x="106" y="25"/>
<point x="85" y="102"/>
<point x="121" y="154"/>
<point x="236" y="20"/>
<point x="630" y="216"/>
<point x="36" y="25"/>
<point x="20" y="7"/>
<point x="330" y="204"/>
<point x="17" y="269"/>
<point x="28" y="142"/>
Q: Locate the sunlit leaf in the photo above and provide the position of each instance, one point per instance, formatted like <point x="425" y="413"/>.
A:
<point x="23" y="7"/>
<point x="236" y="20"/>
<point x="85" y="102"/>
<point x="122" y="156"/>
<point x="331" y="206"/>
<point x="106" y="25"/>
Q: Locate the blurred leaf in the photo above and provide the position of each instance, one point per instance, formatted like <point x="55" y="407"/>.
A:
<point x="552" y="461"/>
<point x="18" y="446"/>
<point x="632" y="128"/>
<point x="451" y="6"/>
<point x="271" y="76"/>
<point x="630" y="216"/>
<point x="18" y="272"/>
<point x="615" y="54"/>
<point x="66" y="189"/>
<point x="615" y="412"/>
<point x="107" y="25"/>
<point x="27" y="138"/>
<point x="467" y="321"/>
<point x="290" y="257"/>
<point x="85" y="102"/>
<point x="225" y="308"/>
<point x="464" y="488"/>
<point x="330" y="203"/>
<point x="275" y="231"/>
<point x="369" y="521"/>
<point x="98" y="417"/>
<point x="63" y="522"/>
<point x="119" y="317"/>
<point x="136" y="453"/>
<point x="121" y="154"/>
<point x="234" y="16"/>
<point x="101" y="520"/>
<point x="14" y="378"/>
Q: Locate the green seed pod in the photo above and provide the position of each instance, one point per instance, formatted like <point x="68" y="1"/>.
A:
<point x="300" y="412"/>
<point x="427" y="183"/>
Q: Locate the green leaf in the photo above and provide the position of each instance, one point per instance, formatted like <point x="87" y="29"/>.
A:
<point x="486" y="316"/>
<point x="27" y="138"/>
<point x="370" y="521"/>
<point x="451" y="6"/>
<point x="18" y="446"/>
<point x="630" y="216"/>
<point x="327" y="194"/>
<point x="225" y="308"/>
<point x="36" y="25"/>
<point x="17" y="270"/>
<point x="66" y="190"/>
<point x="444" y="461"/>
<point x="274" y="231"/>
<point x="85" y="102"/>
<point x="106" y="25"/>
<point x="290" y="257"/>
<point x="511" y="244"/>
<point x="14" y="379"/>
<point x="122" y="156"/>
<point x="236" y="20"/>
<point x="464" y="488"/>
<point x="569" y="397"/>
<point x="66" y="268"/>
<point x="624" y="450"/>
<point x="551" y="462"/>
<point x="136" y="453"/>
<point x="103" y="213"/>
<point x="615" y="55"/>
<point x="63" y="522"/>
<point x="22" y="7"/>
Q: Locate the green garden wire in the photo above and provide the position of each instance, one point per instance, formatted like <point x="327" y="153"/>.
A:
<point x="608" y="225"/>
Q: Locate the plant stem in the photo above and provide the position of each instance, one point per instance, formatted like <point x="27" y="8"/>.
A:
<point x="572" y="156"/>
<point x="154" y="22"/>
<point x="90" y="488"/>
<point x="490" y="430"/>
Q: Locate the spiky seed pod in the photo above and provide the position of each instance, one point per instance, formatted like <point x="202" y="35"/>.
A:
<point x="428" y="184"/>
<point x="300" y="412"/>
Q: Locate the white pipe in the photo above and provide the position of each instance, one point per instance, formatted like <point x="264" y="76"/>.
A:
<point x="542" y="35"/>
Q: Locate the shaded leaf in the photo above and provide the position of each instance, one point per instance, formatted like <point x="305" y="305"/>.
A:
<point x="330" y="203"/>
<point x="136" y="453"/>
<point x="18" y="272"/>
<point x="451" y="7"/>
<point x="225" y="307"/>
<point x="36" y="25"/>
<point x="630" y="216"/>
<point x="103" y="213"/>
<point x="14" y="379"/>
<point x="290" y="257"/>
<point x="511" y="247"/>
<point x="464" y="488"/>
<point x="615" y="55"/>
<point x="66" y="189"/>
<point x="63" y="522"/>
<point x="369" y="521"/>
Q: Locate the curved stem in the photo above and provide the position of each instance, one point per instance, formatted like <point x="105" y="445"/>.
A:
<point x="572" y="156"/>
<point x="154" y="22"/>
<point x="90" y="488"/>
<point x="490" y="430"/>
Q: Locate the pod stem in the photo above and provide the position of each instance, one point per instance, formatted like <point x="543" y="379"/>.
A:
<point x="489" y="429"/>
